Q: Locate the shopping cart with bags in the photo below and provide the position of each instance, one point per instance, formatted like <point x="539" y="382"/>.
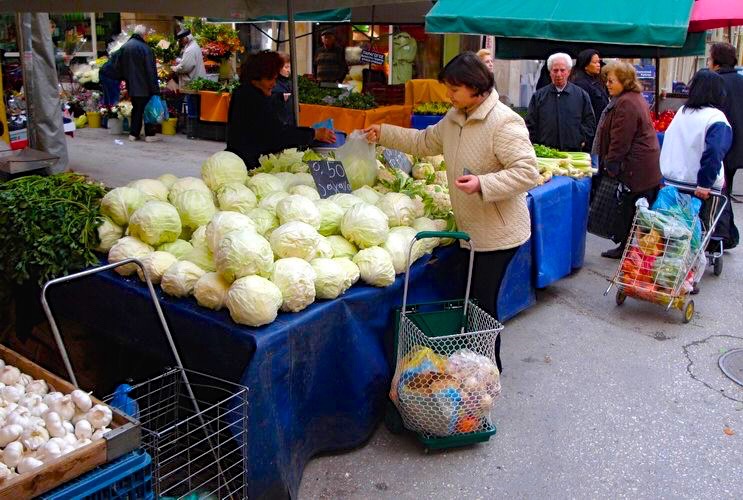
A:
<point x="666" y="255"/>
<point x="446" y="380"/>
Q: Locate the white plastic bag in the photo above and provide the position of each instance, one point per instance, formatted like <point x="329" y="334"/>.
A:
<point x="359" y="160"/>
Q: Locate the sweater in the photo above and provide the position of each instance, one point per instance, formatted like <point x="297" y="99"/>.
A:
<point x="693" y="149"/>
<point x="492" y="142"/>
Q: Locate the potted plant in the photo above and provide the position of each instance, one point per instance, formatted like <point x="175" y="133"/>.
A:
<point x="92" y="110"/>
<point x="218" y="43"/>
<point x="125" y="113"/>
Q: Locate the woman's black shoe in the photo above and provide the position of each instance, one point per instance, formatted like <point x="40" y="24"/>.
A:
<point x="614" y="253"/>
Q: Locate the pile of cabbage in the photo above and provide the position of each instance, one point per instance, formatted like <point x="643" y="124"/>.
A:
<point x="262" y="243"/>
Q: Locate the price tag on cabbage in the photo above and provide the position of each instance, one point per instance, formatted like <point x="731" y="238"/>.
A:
<point x="330" y="177"/>
<point x="398" y="159"/>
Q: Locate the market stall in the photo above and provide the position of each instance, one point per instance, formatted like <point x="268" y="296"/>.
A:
<point x="347" y="120"/>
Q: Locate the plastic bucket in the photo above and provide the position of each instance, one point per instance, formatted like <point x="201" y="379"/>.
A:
<point x="94" y="119"/>
<point x="169" y="126"/>
<point x="115" y="126"/>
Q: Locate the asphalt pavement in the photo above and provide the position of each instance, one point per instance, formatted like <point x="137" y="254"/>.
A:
<point x="598" y="401"/>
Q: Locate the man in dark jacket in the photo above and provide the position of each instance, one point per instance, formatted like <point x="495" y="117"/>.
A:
<point x="560" y="115"/>
<point x="723" y="59"/>
<point x="330" y="60"/>
<point x="137" y="68"/>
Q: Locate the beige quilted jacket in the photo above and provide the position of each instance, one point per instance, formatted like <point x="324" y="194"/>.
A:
<point x="492" y="143"/>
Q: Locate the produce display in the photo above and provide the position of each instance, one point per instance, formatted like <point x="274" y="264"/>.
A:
<point x="432" y="108"/>
<point x="552" y="162"/>
<point x="198" y="84"/>
<point x="663" y="120"/>
<point x="446" y="395"/>
<point x="263" y="242"/>
<point x="39" y="424"/>
<point x="311" y="93"/>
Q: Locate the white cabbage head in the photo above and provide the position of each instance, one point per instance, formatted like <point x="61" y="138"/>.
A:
<point x="298" y="208"/>
<point x="222" y="168"/>
<point x="179" y="248"/>
<point x="351" y="269"/>
<point x="195" y="207"/>
<point x="155" y="223"/>
<point x="265" y="220"/>
<point x="399" y="208"/>
<point x="331" y="215"/>
<point x="263" y="184"/>
<point x="375" y="266"/>
<point x="296" y="280"/>
<point x="422" y="224"/>
<point x="187" y="184"/>
<point x="306" y="191"/>
<point x="271" y="200"/>
<point x="345" y="200"/>
<point x="253" y="301"/>
<point x="153" y="189"/>
<point x="331" y="278"/>
<point x="295" y="239"/>
<point x="180" y="278"/>
<point x="365" y="225"/>
<point x="367" y="194"/>
<point x="242" y="253"/>
<point x="211" y="291"/>
<point x="342" y="247"/>
<point x="236" y="197"/>
<point x="108" y="233"/>
<point x="156" y="264"/>
<point x="128" y="247"/>
<point x="120" y="203"/>
<point x="168" y="180"/>
<point x="398" y="245"/>
<point x="223" y="223"/>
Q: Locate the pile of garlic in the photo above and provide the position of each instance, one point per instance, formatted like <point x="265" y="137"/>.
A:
<point x="37" y="426"/>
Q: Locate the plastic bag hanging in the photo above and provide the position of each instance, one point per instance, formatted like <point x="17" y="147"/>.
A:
<point x="359" y="160"/>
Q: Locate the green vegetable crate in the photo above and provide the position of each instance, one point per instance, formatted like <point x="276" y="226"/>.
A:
<point x="446" y="379"/>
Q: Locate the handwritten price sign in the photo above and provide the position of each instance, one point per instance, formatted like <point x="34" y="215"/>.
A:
<point x="330" y="177"/>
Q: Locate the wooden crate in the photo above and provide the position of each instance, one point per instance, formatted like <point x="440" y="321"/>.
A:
<point x="125" y="436"/>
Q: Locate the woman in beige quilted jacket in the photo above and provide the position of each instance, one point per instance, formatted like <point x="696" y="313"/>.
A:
<point x="489" y="140"/>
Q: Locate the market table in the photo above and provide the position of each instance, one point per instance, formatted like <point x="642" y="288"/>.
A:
<point x="347" y="120"/>
<point x="318" y="379"/>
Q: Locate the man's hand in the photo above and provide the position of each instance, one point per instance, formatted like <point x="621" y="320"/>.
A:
<point x="470" y="184"/>
<point x="701" y="193"/>
<point x="372" y="133"/>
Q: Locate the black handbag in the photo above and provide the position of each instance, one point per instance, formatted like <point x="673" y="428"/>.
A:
<point x="606" y="206"/>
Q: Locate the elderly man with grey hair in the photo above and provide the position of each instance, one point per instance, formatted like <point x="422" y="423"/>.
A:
<point x="191" y="64"/>
<point x="136" y="65"/>
<point x="560" y="115"/>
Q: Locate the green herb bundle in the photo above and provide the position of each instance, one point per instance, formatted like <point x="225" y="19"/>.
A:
<point x="47" y="227"/>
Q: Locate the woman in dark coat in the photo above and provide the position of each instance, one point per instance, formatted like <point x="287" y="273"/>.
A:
<point x="253" y="124"/>
<point x="627" y="146"/>
<point x="282" y="92"/>
<point x="586" y="74"/>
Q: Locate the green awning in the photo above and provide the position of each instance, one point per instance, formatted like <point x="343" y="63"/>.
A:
<point x="320" y="16"/>
<point x="527" y="48"/>
<point x="629" y="22"/>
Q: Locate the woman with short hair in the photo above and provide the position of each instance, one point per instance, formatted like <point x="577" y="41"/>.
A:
<point x="254" y="127"/>
<point x="490" y="165"/>
<point x="586" y="74"/>
<point x="486" y="57"/>
<point x="627" y="146"/>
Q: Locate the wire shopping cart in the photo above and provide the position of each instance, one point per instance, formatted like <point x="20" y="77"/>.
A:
<point x="194" y="425"/>
<point x="446" y="380"/>
<point x="664" y="259"/>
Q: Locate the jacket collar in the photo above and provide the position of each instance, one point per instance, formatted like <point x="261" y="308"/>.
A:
<point x="138" y="37"/>
<point x="727" y="69"/>
<point x="566" y="90"/>
<point x="480" y="113"/>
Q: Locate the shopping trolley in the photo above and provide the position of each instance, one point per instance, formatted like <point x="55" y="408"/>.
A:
<point x="661" y="262"/>
<point x="194" y="425"/>
<point x="446" y="380"/>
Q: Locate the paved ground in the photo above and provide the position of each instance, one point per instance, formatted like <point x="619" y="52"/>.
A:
<point x="598" y="401"/>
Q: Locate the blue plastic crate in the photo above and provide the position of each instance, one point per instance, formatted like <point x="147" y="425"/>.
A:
<point x="421" y="122"/>
<point x="126" y="478"/>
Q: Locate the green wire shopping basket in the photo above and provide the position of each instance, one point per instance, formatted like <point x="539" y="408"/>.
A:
<point x="446" y="380"/>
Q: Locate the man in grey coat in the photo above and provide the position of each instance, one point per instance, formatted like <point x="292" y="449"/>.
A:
<point x="136" y="65"/>
<point x="191" y="63"/>
<point x="560" y="115"/>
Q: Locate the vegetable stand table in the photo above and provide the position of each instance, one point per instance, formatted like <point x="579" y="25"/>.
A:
<point x="318" y="379"/>
<point x="347" y="120"/>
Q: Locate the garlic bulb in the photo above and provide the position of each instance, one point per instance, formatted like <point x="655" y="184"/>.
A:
<point x="99" y="433"/>
<point x="30" y="400"/>
<point x="34" y="438"/>
<point x="82" y="442"/>
<point x="54" y="424"/>
<point x="68" y="427"/>
<point x="37" y="387"/>
<point x="100" y="416"/>
<point x="19" y="416"/>
<point x="13" y="453"/>
<point x="2" y="364"/>
<point x="11" y="393"/>
<point x="83" y="430"/>
<point x="50" y="450"/>
<point x="6" y="408"/>
<point x="5" y="472"/>
<point x="10" y="433"/>
<point x="24" y="379"/>
<point x="64" y="406"/>
<point x="82" y="399"/>
<point x="58" y="441"/>
<point x="52" y="396"/>
<point x="10" y="375"/>
<point x="39" y="410"/>
<point x="27" y="464"/>
<point x="68" y="448"/>
<point x="70" y="437"/>
<point x="78" y="417"/>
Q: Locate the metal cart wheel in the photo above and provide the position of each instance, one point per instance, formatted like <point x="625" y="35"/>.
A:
<point x="620" y="298"/>
<point x="717" y="270"/>
<point x="688" y="311"/>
